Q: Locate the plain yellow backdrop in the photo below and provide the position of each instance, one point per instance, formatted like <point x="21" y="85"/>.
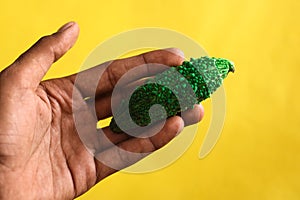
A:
<point x="258" y="154"/>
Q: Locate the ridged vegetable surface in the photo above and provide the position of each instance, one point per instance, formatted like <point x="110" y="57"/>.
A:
<point x="176" y="89"/>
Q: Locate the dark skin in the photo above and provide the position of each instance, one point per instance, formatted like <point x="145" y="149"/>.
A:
<point x="41" y="154"/>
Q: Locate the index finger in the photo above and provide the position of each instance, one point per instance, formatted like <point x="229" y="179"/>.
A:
<point x="89" y="82"/>
<point x="29" y="69"/>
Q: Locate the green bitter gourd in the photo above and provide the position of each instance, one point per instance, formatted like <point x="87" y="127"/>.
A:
<point x="203" y="75"/>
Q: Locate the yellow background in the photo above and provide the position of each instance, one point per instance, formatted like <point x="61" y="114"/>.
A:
<point x="258" y="154"/>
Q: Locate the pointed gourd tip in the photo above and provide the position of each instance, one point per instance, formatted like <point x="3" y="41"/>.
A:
<point x="231" y="66"/>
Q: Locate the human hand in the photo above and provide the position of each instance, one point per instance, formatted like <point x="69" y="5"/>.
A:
<point x="41" y="154"/>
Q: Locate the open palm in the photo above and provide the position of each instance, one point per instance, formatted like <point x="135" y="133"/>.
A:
<point x="42" y="155"/>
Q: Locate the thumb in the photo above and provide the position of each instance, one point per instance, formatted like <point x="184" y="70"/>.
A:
<point x="29" y="69"/>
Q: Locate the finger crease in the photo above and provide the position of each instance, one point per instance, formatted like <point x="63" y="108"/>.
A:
<point x="111" y="77"/>
<point x="153" y="143"/>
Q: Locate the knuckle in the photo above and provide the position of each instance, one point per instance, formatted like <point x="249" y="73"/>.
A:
<point x="45" y="39"/>
<point x="53" y="44"/>
<point x="146" y="145"/>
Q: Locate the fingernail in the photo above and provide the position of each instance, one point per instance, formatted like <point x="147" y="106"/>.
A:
<point x="178" y="133"/>
<point x="176" y="51"/>
<point x="201" y="111"/>
<point x="181" y="128"/>
<point x="65" y="27"/>
<point x="201" y="106"/>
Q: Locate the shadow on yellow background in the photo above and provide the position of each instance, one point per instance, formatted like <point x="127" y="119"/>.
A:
<point x="258" y="154"/>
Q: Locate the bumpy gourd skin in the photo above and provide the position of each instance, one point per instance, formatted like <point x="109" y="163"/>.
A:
<point x="196" y="81"/>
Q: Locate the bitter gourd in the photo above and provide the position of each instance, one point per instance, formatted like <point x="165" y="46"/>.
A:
<point x="176" y="89"/>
